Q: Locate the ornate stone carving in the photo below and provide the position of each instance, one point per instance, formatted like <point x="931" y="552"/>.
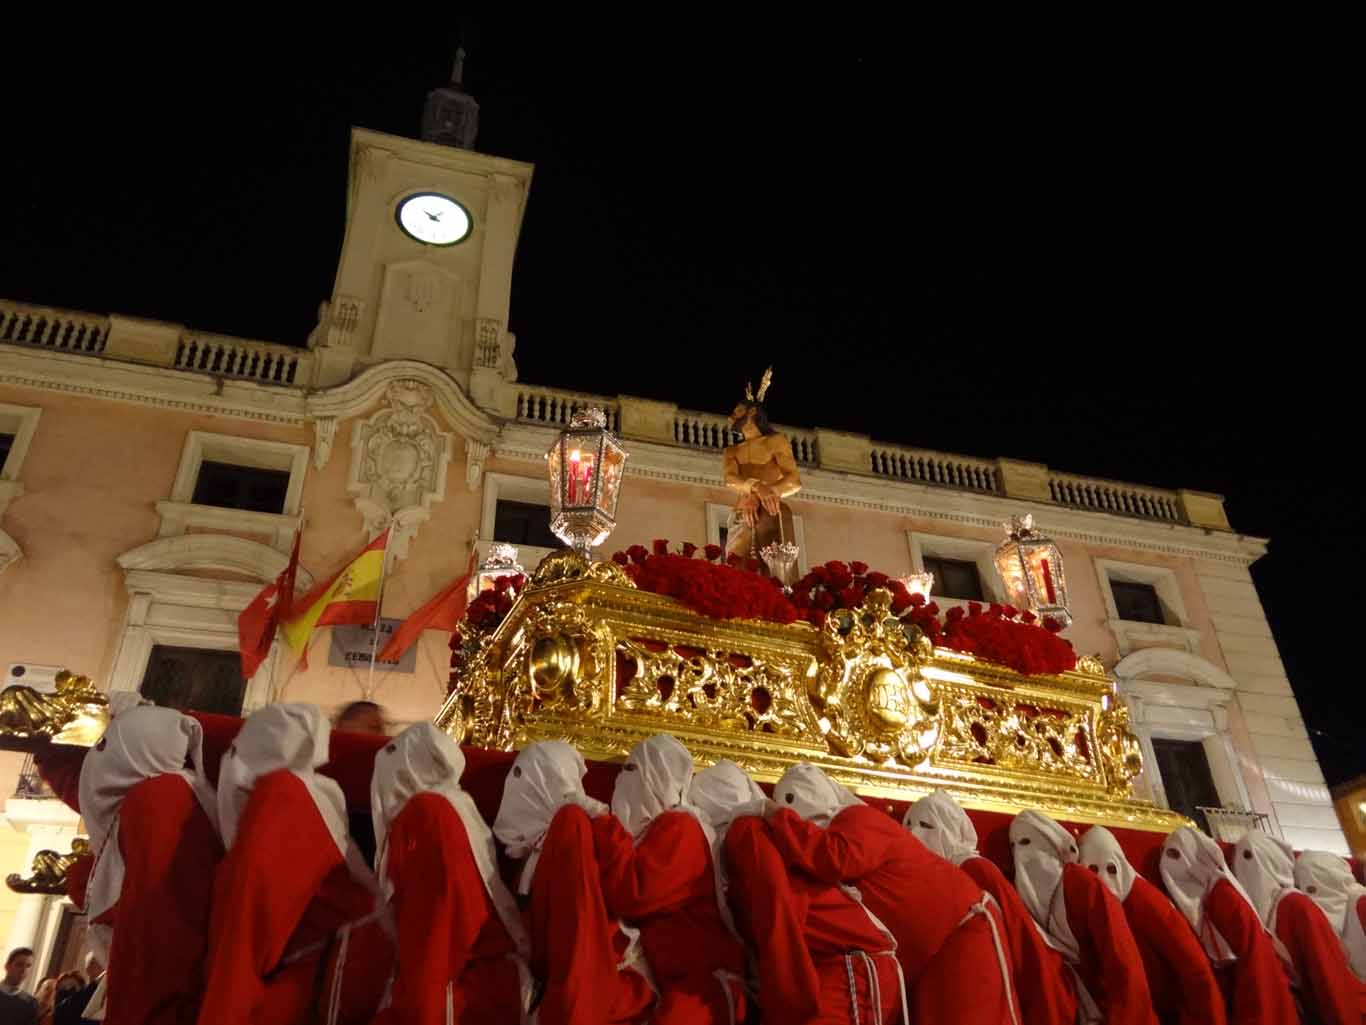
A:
<point x="398" y="463"/>
<point x="324" y="433"/>
<point x="488" y="333"/>
<point x="1120" y="751"/>
<point x="343" y="317"/>
<point x="475" y="454"/>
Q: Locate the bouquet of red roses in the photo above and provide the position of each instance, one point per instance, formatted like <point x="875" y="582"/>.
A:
<point x="484" y="614"/>
<point x="734" y="590"/>
<point x="839" y="585"/>
<point x="1004" y="634"/>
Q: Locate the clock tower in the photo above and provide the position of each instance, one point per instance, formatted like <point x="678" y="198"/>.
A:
<point x="426" y="264"/>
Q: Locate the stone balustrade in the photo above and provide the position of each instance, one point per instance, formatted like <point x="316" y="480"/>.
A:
<point x="174" y="347"/>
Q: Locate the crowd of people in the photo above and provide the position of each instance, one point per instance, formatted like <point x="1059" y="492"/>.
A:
<point x="692" y="899"/>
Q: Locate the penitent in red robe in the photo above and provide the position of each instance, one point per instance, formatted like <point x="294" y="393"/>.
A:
<point x="1180" y="977"/>
<point x="448" y="929"/>
<point x="1042" y="979"/>
<point x="1110" y="965"/>
<point x="161" y="920"/>
<point x="1255" y="986"/>
<point x="575" y="946"/>
<point x="1327" y="986"/>
<point x="947" y="952"/>
<point x="281" y="889"/>
<point x="803" y="933"/>
<point x="665" y="887"/>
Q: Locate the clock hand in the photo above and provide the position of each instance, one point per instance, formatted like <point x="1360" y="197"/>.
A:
<point x="432" y="216"/>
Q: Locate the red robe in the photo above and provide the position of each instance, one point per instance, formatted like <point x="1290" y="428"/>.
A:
<point x="161" y="920"/>
<point x="665" y="887"/>
<point x="575" y="947"/>
<point x="1255" y="985"/>
<point x="951" y="965"/>
<point x="448" y="930"/>
<point x="1327" y="986"/>
<point x="801" y="931"/>
<point x="1042" y="979"/>
<point x="282" y="887"/>
<point x="1180" y="977"/>
<point x="1110" y="966"/>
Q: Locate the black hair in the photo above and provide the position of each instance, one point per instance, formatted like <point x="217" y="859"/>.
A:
<point x="760" y="416"/>
<point x="18" y="952"/>
<point x="358" y="706"/>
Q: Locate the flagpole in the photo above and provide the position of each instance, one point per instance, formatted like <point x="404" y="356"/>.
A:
<point x="374" y="627"/>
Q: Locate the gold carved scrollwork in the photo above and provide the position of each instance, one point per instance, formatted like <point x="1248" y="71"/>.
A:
<point x="714" y="689"/>
<point x="76" y="713"/>
<point x="48" y="874"/>
<point x="868" y="691"/>
<point x="1119" y="749"/>
<point x="583" y="656"/>
<point x="1000" y="731"/>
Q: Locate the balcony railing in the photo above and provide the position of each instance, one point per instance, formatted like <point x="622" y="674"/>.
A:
<point x="283" y="366"/>
<point x="31" y="785"/>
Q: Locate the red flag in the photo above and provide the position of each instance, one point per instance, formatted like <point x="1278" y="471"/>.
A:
<point x="442" y="612"/>
<point x="257" y="622"/>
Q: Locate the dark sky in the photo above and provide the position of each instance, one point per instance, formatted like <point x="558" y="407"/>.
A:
<point x="1123" y="259"/>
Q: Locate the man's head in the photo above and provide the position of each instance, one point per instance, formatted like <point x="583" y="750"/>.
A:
<point x="748" y="417"/>
<point x="362" y="717"/>
<point x="18" y="965"/>
<point x="93" y="968"/>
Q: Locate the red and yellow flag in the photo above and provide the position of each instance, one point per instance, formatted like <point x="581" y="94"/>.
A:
<point x="352" y="596"/>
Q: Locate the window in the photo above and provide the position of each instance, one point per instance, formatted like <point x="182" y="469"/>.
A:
<point x="524" y="524"/>
<point x="6" y="443"/>
<point x="194" y="679"/>
<point x="1186" y="777"/>
<point x="252" y="488"/>
<point x="955" y="578"/>
<point x="1137" y="603"/>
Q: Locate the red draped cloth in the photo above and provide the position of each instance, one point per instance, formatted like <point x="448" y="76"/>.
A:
<point x="803" y="933"/>
<point x="1255" y="986"/>
<point x="947" y="953"/>
<point x="448" y="930"/>
<point x="575" y="946"/>
<point x="1042" y="980"/>
<point x="1328" y="988"/>
<point x="665" y="887"/>
<point x="1110" y="965"/>
<point x="161" y="920"/>
<point x="283" y="891"/>
<point x="1180" y="977"/>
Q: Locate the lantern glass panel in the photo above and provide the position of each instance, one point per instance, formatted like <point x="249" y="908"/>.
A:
<point x="1010" y="567"/>
<point x="556" y="481"/>
<point x="613" y="463"/>
<point x="581" y="462"/>
<point x="1045" y="570"/>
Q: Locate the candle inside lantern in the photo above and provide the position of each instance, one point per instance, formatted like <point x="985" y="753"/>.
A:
<point x="1048" y="582"/>
<point x="575" y="458"/>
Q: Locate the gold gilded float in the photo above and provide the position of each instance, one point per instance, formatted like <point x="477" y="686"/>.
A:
<point x="76" y="712"/>
<point x="48" y="874"/>
<point x="585" y="657"/>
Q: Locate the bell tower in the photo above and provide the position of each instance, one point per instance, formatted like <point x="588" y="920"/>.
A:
<point x="426" y="264"/>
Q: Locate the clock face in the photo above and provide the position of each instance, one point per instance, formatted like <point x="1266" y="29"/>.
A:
<point x="433" y="219"/>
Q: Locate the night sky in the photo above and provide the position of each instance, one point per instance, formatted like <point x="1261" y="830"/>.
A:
<point x="1127" y="265"/>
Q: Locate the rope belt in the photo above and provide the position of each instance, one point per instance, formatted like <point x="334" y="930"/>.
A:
<point x="865" y="961"/>
<point x="982" y="907"/>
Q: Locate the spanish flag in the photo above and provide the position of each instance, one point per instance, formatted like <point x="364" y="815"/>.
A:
<point x="352" y="596"/>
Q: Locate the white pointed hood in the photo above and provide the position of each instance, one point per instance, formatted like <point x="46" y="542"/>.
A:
<point x="1328" y="880"/>
<point x="1041" y="847"/>
<point x="1102" y="854"/>
<point x="812" y="794"/>
<point x="940" y="823"/>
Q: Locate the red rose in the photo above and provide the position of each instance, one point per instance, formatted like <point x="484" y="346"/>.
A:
<point x="660" y="546"/>
<point x="621" y="558"/>
<point x="835" y="566"/>
<point x="955" y="614"/>
<point x="1009" y="611"/>
<point x="824" y="600"/>
<point x="932" y="608"/>
<point x="917" y="600"/>
<point x="732" y="559"/>
<point x="901" y="602"/>
<point x="1052" y="625"/>
<point x="712" y="552"/>
<point x="637" y="553"/>
<point x="1028" y="617"/>
<point x="974" y="608"/>
<point x="688" y="549"/>
<point x="751" y="565"/>
<point x="858" y="568"/>
<point x="851" y="597"/>
<point x="876" y="579"/>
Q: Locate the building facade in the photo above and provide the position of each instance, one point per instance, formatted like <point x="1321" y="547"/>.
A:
<point x="154" y="478"/>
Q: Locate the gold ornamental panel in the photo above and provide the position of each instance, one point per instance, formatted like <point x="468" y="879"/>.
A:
<point x="585" y="657"/>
